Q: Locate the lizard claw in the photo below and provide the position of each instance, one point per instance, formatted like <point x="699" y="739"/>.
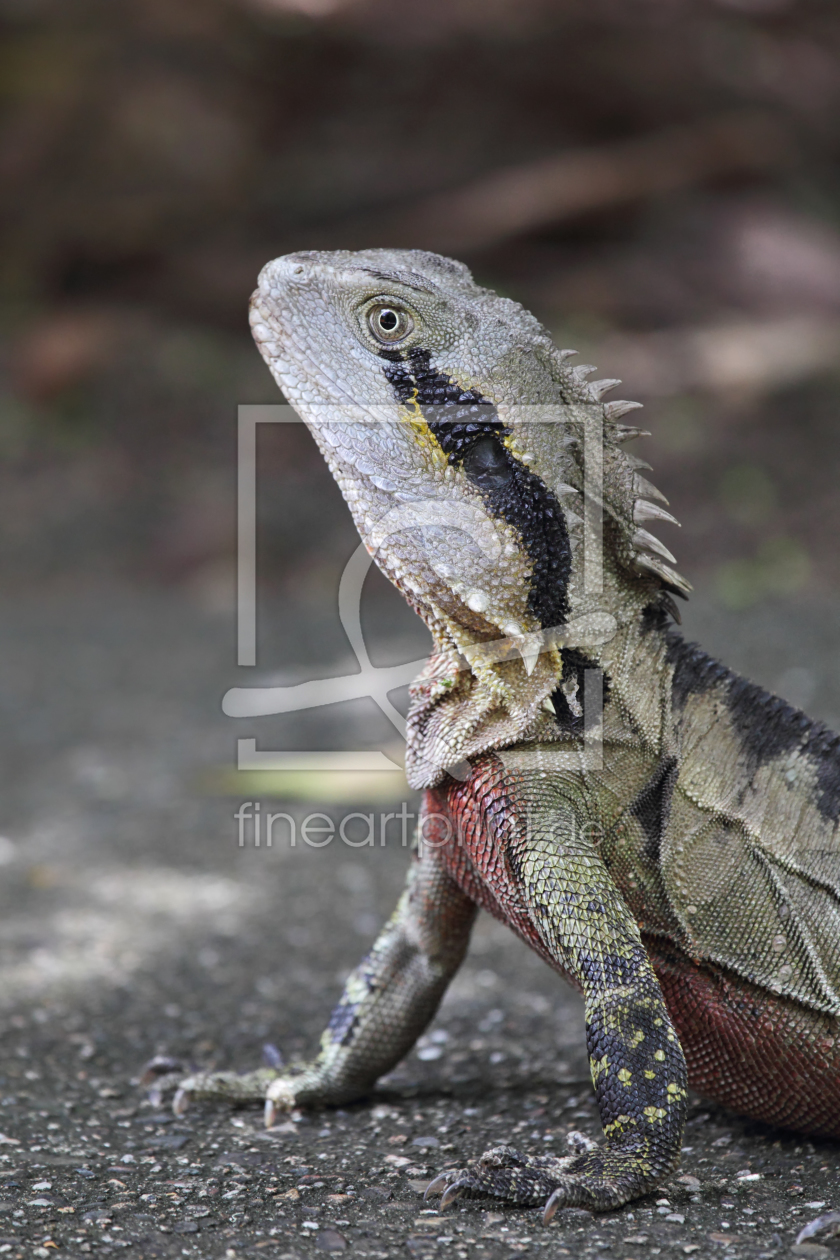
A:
<point x="161" y="1065"/>
<point x="453" y="1192"/>
<point x="552" y="1204"/>
<point x="435" y="1187"/>
<point x="269" y="1112"/>
<point x="181" y="1101"/>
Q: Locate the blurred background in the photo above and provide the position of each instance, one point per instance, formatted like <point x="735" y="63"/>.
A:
<point x="657" y="179"/>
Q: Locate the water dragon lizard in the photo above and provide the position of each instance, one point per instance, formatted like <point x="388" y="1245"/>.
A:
<point x="663" y="832"/>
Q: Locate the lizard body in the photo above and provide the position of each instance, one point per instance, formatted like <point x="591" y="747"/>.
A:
<point x="661" y="831"/>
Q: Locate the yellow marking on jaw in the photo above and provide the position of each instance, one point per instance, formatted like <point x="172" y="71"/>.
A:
<point x="517" y="451"/>
<point x="659" y="1055"/>
<point x="655" y="1113"/>
<point x="412" y="414"/>
<point x="625" y="1077"/>
<point x="412" y="407"/>
<point x="650" y="1076"/>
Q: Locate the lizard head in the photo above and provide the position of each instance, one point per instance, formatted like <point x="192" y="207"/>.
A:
<point x="483" y="472"/>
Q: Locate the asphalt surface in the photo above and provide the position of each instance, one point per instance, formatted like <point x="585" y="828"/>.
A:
<point x="133" y="924"/>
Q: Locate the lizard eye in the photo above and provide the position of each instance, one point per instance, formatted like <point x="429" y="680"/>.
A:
<point x="390" y="324"/>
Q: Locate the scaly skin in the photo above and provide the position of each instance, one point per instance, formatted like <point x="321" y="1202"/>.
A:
<point x="673" y="850"/>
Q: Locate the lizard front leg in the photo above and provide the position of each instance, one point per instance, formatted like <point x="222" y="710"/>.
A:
<point x="387" y="1002"/>
<point x="580" y="919"/>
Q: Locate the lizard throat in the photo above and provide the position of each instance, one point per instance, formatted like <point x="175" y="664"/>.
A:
<point x="468" y="430"/>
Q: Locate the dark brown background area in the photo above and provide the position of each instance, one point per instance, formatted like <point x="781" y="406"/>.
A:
<point x="657" y="179"/>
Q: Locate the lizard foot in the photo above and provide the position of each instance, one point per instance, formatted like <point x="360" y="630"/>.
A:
<point x="231" y="1087"/>
<point x="278" y="1088"/>
<point x="590" y="1176"/>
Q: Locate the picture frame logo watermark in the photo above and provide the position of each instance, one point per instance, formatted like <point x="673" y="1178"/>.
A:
<point x="378" y="682"/>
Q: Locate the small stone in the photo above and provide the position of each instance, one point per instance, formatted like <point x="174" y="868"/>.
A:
<point x="429" y="1141"/>
<point x="331" y="1240"/>
<point x="185" y="1227"/>
<point x="420" y="1246"/>
<point x="169" y="1142"/>
<point x="810" y="1251"/>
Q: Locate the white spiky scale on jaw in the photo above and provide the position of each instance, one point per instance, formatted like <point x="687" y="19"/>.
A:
<point x="597" y="389"/>
<point x="644" y="511"/>
<point x="478" y="601"/>
<point x="620" y="407"/>
<point x="645" y="490"/>
<point x="642" y="538"/>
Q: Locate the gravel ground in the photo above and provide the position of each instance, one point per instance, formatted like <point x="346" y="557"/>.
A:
<point x="133" y="924"/>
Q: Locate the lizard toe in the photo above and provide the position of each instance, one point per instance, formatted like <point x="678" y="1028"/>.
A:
<point x="552" y="1204"/>
<point x="181" y="1101"/>
<point x="502" y="1172"/>
<point x="230" y="1087"/>
<point x="503" y="1157"/>
<point x="454" y="1191"/>
<point x="437" y="1186"/>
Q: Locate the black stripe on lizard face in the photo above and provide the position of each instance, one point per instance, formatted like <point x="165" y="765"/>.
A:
<point x="573" y="684"/>
<point x="468" y="429"/>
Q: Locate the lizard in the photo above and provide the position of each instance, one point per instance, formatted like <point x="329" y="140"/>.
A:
<point x="663" y="832"/>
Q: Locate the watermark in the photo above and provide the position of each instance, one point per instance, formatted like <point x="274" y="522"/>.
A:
<point x="255" y="828"/>
<point x="451" y="526"/>
<point x="258" y="828"/>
